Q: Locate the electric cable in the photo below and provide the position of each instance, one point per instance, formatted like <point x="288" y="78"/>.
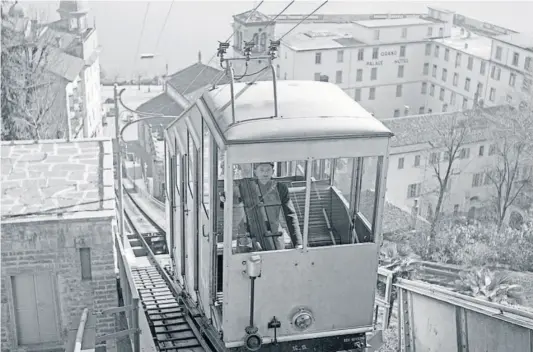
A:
<point x="215" y="55"/>
<point x="163" y="28"/>
<point x="140" y="37"/>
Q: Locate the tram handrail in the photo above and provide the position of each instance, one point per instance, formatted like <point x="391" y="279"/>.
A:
<point x="130" y="296"/>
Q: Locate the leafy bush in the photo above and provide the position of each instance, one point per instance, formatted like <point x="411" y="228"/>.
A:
<point x="490" y="286"/>
<point x="477" y="244"/>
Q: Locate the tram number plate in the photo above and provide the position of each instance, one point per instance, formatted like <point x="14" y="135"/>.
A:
<point x="355" y="343"/>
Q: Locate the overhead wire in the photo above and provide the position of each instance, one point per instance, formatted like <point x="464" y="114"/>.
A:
<point x="163" y="28"/>
<point x="283" y="36"/>
<point x="136" y="58"/>
<point x="211" y="59"/>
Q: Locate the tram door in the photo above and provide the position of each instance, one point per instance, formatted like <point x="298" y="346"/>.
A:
<point x="190" y="196"/>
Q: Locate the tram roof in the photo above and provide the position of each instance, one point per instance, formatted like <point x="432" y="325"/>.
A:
<point x="306" y="110"/>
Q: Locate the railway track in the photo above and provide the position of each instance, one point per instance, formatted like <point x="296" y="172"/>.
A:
<point x="171" y="327"/>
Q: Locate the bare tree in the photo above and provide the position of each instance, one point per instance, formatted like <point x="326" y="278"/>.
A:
<point x="449" y="135"/>
<point x="29" y="90"/>
<point x="510" y="176"/>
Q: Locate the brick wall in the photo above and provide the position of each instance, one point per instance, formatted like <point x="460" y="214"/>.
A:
<point x="53" y="247"/>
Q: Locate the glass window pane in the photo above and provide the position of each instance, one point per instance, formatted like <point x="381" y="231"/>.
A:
<point x="191" y="156"/>
<point x="206" y="187"/>
<point x="367" y="200"/>
<point x="268" y="206"/>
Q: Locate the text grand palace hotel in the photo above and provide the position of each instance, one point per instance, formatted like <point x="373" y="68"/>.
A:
<point x="399" y="64"/>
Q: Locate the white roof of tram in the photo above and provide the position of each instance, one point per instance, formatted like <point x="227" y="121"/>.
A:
<point x="306" y="109"/>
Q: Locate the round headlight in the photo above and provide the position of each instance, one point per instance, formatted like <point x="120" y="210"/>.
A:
<point x="303" y="319"/>
<point x="253" y="342"/>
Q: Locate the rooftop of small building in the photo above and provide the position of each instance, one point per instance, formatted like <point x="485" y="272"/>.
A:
<point x="393" y="22"/>
<point x="522" y="40"/>
<point x="194" y="77"/>
<point x="426" y="128"/>
<point x="56" y="179"/>
<point x="468" y="42"/>
<point x="314" y="36"/>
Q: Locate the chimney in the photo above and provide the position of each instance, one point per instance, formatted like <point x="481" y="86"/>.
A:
<point x="466" y="45"/>
<point x="199" y="56"/>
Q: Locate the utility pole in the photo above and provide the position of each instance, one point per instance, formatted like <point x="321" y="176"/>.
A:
<point x="119" y="166"/>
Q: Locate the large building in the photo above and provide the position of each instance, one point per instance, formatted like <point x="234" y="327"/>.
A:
<point x="58" y="211"/>
<point x="398" y="64"/>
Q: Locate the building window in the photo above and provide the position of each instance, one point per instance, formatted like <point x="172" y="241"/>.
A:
<point x="417" y="160"/>
<point x="498" y="55"/>
<point x="482" y="68"/>
<point x="477" y="179"/>
<point x="396" y="112"/>
<point x="452" y="98"/>
<point x="413" y="190"/>
<point x="455" y="209"/>
<point x="360" y="54"/>
<point x="527" y="64"/>
<point x="372" y="93"/>
<point x="404" y="32"/>
<point x="425" y="72"/>
<point x="400" y="163"/>
<point x="402" y="51"/>
<point x="492" y="94"/>
<point x="430" y="31"/>
<point x="458" y="60"/>
<point x="444" y="107"/>
<point x="446" y="54"/>
<point x="479" y="88"/>
<point x="444" y="74"/>
<point x="400" y="71"/>
<point x="516" y="58"/>
<point x="465" y="103"/>
<point x="318" y="58"/>
<point x="441" y="32"/>
<point x="85" y="261"/>
<point x="526" y="84"/>
<point x="317" y="76"/>
<point x="464" y="153"/>
<point x="455" y="79"/>
<point x="428" y="49"/>
<point x="340" y="56"/>
<point x="338" y="77"/>
<point x="481" y="150"/>
<point x="285" y="75"/>
<point x="434" y="71"/>
<point x="424" y="87"/>
<point x="470" y="63"/>
<point x="421" y="110"/>
<point x="430" y="111"/>
<point x="467" y="84"/>
<point x="437" y="50"/>
<point x="441" y="94"/>
<point x="376" y="34"/>
<point x="375" y="52"/>
<point x="492" y="149"/>
<point x="512" y="79"/>
<point x="495" y="73"/>
<point x="399" y="89"/>
<point x="359" y="75"/>
<point x="374" y="74"/>
<point x="434" y="158"/>
<point x="357" y="94"/>
<point x="432" y="90"/>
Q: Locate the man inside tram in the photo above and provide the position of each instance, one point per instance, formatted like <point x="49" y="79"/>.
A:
<point x="266" y="202"/>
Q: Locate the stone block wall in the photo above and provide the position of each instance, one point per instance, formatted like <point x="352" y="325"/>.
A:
<point x="52" y="247"/>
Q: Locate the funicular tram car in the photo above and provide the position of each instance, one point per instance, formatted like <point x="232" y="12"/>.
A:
<point x="238" y="258"/>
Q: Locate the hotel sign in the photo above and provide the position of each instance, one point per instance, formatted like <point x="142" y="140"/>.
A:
<point x="384" y="54"/>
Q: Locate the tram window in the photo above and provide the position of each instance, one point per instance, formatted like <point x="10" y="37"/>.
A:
<point x="191" y="156"/>
<point x="278" y="224"/>
<point x="368" y="197"/>
<point x="206" y="143"/>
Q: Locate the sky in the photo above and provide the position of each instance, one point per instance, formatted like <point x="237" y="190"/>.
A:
<point x="194" y="26"/>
